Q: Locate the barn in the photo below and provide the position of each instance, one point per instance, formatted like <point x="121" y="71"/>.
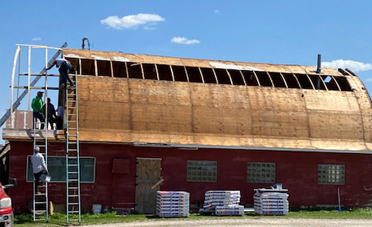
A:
<point x="152" y="122"/>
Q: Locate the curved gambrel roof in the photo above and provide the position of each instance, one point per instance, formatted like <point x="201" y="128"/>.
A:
<point x="146" y="110"/>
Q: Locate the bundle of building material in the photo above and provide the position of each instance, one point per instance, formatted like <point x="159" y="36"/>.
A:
<point x="271" y="202"/>
<point x="172" y="204"/>
<point x="223" y="203"/>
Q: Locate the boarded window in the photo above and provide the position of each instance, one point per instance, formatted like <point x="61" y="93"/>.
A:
<point x="277" y="79"/>
<point x="202" y="171"/>
<point x="119" y="69"/>
<point x="149" y="71"/>
<point x="317" y="82"/>
<point x="343" y="83"/>
<point x="236" y="77"/>
<point x="208" y="75"/>
<point x="250" y="78"/>
<point x="179" y="73"/>
<point x="261" y="172"/>
<point x="291" y="80"/>
<point x="104" y="68"/>
<point x="87" y="67"/>
<point x="134" y="70"/>
<point x="304" y="81"/>
<point x="57" y="169"/>
<point x="330" y="83"/>
<point x="194" y="74"/>
<point x="222" y="76"/>
<point x="331" y="174"/>
<point x="264" y="79"/>
<point x="165" y="72"/>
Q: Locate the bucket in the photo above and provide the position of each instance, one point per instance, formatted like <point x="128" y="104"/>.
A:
<point x="97" y="208"/>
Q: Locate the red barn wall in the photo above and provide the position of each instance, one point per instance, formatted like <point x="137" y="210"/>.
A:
<point x="297" y="171"/>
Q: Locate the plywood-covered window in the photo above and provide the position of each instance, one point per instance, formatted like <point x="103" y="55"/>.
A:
<point x="291" y="80"/>
<point x="201" y="171"/>
<point x="222" y="76"/>
<point x="104" y="68"/>
<point x="330" y="82"/>
<point x="317" y="82"/>
<point x="250" y="78"/>
<point x="236" y="77"/>
<point x="194" y="74"/>
<point x="134" y="70"/>
<point x="264" y="79"/>
<point x="331" y="174"/>
<point x="57" y="169"/>
<point x="343" y="83"/>
<point x="165" y="72"/>
<point x="304" y="81"/>
<point x="277" y="79"/>
<point x="119" y="69"/>
<point x="87" y="67"/>
<point x="179" y="73"/>
<point x="261" y="172"/>
<point x="150" y="71"/>
<point x="208" y="75"/>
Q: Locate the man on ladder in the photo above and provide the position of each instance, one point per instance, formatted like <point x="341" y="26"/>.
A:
<point x="65" y="68"/>
<point x="39" y="167"/>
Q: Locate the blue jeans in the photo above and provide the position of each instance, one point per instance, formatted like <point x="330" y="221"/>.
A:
<point x="38" y="115"/>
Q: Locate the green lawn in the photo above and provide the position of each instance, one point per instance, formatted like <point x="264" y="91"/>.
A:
<point x="59" y="219"/>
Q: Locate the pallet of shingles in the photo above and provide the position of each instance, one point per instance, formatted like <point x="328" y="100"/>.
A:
<point x="271" y="203"/>
<point x="223" y="203"/>
<point x="172" y="204"/>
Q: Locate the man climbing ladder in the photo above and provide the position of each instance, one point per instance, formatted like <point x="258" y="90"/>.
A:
<point x="65" y="68"/>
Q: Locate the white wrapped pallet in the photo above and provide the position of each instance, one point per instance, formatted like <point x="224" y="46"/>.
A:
<point x="271" y="202"/>
<point x="223" y="203"/>
<point x="172" y="204"/>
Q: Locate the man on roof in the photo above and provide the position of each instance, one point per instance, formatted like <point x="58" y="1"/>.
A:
<point x="37" y="109"/>
<point x="64" y="68"/>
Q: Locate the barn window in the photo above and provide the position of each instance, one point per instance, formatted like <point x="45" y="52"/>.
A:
<point x="119" y="69"/>
<point x="343" y="83"/>
<point x="264" y="79"/>
<point x="277" y="79"/>
<point x="331" y="174"/>
<point x="179" y="73"/>
<point x="87" y="67"/>
<point x="57" y="169"/>
<point x="104" y="68"/>
<point x="194" y="74"/>
<point x="149" y="71"/>
<point x="330" y="83"/>
<point x="208" y="75"/>
<point x="291" y="80"/>
<point x="165" y="72"/>
<point x="236" y="77"/>
<point x="261" y="172"/>
<point x="134" y="70"/>
<point x="250" y="78"/>
<point x="202" y="171"/>
<point x="317" y="82"/>
<point x="304" y="81"/>
<point x="222" y="76"/>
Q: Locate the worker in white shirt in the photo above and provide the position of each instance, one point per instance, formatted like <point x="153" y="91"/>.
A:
<point x="65" y="68"/>
<point x="59" y="112"/>
<point x="38" y="166"/>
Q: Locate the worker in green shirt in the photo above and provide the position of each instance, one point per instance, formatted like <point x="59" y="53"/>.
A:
<point x="37" y="108"/>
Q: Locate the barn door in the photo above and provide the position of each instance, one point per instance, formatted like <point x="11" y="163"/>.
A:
<point x="148" y="176"/>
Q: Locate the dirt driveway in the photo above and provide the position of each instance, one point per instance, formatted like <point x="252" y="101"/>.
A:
<point x="246" y="222"/>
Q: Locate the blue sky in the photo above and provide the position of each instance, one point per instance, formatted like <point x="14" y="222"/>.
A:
<point x="281" y="31"/>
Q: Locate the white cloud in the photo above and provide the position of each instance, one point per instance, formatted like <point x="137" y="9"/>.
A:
<point x="369" y="79"/>
<point x="216" y="11"/>
<point x="350" y="64"/>
<point x="132" y="21"/>
<point x="183" y="40"/>
<point x="36" y="39"/>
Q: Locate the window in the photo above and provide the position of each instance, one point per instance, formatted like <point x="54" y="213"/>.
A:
<point x="208" y="75"/>
<point x="277" y="79"/>
<point x="87" y="67"/>
<point x="250" y="78"/>
<point x="134" y="70"/>
<point x="331" y="174"/>
<point x="202" y="171"/>
<point x="264" y="79"/>
<point x="179" y="73"/>
<point x="150" y="71"/>
<point x="261" y="172"/>
<point x="194" y="74"/>
<point x="119" y="68"/>
<point x="222" y="76"/>
<point x="236" y="76"/>
<point x="57" y="169"/>
<point x="104" y="68"/>
<point x="165" y="72"/>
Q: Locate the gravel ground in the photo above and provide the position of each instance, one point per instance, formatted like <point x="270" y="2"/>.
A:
<point x="247" y="222"/>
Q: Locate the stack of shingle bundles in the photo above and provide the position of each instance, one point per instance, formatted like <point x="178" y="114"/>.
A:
<point x="172" y="204"/>
<point x="223" y="203"/>
<point x="271" y="203"/>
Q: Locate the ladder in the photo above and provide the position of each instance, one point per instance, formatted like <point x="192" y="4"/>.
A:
<point x="73" y="204"/>
<point x="40" y="201"/>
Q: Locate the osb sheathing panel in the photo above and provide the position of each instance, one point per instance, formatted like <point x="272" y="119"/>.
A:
<point x="134" y="110"/>
<point x="151" y="59"/>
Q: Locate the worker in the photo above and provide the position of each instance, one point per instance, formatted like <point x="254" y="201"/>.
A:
<point x="37" y="108"/>
<point x="39" y="167"/>
<point x="59" y="112"/>
<point x="65" y="68"/>
<point x="50" y="114"/>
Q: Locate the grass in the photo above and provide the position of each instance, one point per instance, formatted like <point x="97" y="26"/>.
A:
<point x="60" y="219"/>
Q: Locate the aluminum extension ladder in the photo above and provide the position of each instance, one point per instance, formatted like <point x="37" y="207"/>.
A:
<point x="40" y="201"/>
<point x="73" y="203"/>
